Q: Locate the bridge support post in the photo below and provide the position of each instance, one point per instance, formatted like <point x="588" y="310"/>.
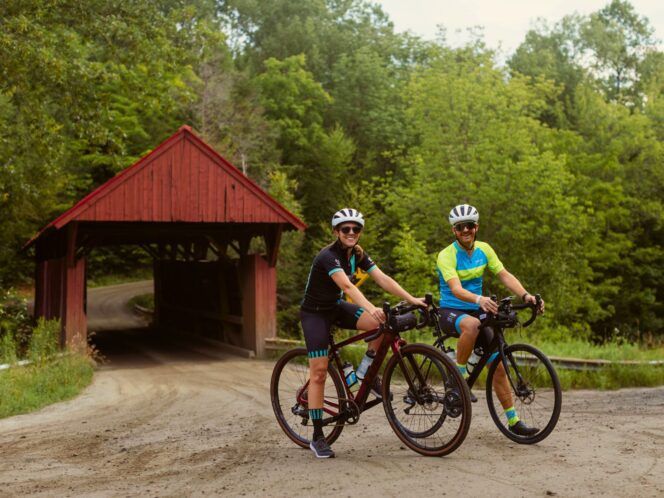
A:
<point x="259" y="302"/>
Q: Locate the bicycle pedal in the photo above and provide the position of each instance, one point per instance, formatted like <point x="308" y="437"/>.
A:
<point x="410" y="402"/>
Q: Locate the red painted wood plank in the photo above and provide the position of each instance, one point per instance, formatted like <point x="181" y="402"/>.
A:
<point x="186" y="176"/>
<point x="203" y="168"/>
<point x="177" y="185"/>
<point x="166" y="192"/>
<point x="144" y="188"/>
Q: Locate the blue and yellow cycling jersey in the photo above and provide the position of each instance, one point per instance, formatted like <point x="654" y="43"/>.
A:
<point x="454" y="262"/>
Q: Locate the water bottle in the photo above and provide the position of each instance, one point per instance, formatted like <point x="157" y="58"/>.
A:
<point x="349" y="374"/>
<point x="452" y="354"/>
<point x="365" y="364"/>
<point x="473" y="359"/>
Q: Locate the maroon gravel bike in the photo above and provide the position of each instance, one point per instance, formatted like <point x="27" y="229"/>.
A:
<point x="426" y="401"/>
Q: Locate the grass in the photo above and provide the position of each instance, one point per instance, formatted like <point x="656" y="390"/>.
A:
<point x="25" y="389"/>
<point x="144" y="300"/>
<point x="48" y="379"/>
<point x="104" y="280"/>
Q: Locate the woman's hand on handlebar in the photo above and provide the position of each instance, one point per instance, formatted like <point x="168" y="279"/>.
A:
<point x="488" y="304"/>
<point x="418" y="301"/>
<point x="377" y="314"/>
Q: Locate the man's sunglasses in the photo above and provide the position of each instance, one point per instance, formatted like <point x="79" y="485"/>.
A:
<point x="460" y="227"/>
<point x="348" y="229"/>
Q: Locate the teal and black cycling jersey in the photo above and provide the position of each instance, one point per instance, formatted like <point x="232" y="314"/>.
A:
<point x="322" y="293"/>
<point x="454" y="262"/>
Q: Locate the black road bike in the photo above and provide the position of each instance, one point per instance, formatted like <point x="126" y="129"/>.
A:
<point x="534" y="384"/>
<point x="426" y="401"/>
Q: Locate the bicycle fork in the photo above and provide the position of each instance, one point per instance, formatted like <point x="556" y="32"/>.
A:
<point x="412" y="388"/>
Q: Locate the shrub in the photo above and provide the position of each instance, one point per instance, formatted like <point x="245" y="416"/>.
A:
<point x="45" y="340"/>
<point x="7" y="348"/>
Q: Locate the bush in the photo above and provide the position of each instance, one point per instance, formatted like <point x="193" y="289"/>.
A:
<point x="45" y="340"/>
<point x="7" y="348"/>
<point x="15" y="322"/>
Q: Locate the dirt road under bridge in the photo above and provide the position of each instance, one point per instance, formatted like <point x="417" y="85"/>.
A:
<point x="166" y="419"/>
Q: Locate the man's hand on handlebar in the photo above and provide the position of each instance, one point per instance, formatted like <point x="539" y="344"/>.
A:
<point x="529" y="298"/>
<point x="488" y="304"/>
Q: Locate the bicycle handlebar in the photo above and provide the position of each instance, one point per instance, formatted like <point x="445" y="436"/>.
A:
<point x="402" y="317"/>
<point x="507" y="317"/>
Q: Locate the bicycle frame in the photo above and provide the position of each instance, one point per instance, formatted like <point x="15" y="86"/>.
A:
<point x="498" y="343"/>
<point x="391" y="341"/>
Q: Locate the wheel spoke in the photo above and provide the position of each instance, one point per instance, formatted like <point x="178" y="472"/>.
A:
<point x="288" y="390"/>
<point x="422" y="414"/>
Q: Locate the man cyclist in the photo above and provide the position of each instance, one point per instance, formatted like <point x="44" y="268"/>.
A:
<point x="323" y="307"/>
<point x="460" y="269"/>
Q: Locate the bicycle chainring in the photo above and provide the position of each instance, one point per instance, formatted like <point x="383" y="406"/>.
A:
<point x="452" y="403"/>
<point x="351" y="411"/>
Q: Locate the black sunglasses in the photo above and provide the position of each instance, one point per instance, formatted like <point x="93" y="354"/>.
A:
<point x="460" y="227"/>
<point x="348" y="229"/>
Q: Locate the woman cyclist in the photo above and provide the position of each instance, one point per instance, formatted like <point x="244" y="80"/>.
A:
<point x="323" y="307"/>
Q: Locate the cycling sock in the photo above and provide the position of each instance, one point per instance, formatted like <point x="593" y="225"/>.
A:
<point x="464" y="371"/>
<point x="316" y="416"/>
<point x="512" y="417"/>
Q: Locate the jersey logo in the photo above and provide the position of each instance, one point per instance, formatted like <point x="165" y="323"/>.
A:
<point x="337" y="262"/>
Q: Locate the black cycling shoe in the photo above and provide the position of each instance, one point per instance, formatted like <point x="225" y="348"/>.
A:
<point x="377" y="389"/>
<point x="521" y="429"/>
<point x="473" y="398"/>
<point x="321" y="449"/>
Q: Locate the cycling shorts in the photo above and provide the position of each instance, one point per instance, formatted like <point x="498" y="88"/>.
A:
<point x="450" y="320"/>
<point x="317" y="326"/>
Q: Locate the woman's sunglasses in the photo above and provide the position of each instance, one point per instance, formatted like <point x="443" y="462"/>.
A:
<point x="348" y="229"/>
<point x="460" y="227"/>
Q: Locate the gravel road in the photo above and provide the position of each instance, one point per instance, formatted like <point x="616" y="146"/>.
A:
<point x="166" y="418"/>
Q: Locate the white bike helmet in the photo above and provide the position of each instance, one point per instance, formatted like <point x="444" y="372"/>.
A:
<point x="346" y="215"/>
<point x="463" y="212"/>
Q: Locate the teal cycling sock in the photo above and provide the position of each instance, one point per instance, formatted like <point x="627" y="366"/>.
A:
<point x="463" y="370"/>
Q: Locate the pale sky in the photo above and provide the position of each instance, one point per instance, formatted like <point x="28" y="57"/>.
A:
<point x="505" y="21"/>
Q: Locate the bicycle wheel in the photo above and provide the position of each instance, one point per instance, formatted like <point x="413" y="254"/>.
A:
<point x="535" y="391"/>
<point x="431" y="413"/>
<point x="288" y="386"/>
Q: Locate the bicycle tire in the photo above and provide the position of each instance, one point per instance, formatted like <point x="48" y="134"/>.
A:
<point x="442" y="400"/>
<point x="289" y="375"/>
<point x="538" y="400"/>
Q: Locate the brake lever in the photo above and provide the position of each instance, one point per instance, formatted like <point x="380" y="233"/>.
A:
<point x="534" y="310"/>
<point x="424" y="312"/>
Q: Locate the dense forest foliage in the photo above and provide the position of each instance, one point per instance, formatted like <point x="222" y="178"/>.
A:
<point x="325" y="105"/>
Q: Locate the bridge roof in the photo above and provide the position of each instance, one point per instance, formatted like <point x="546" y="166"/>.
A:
<point x="183" y="180"/>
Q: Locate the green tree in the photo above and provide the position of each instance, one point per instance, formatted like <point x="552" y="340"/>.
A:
<point x="617" y="39"/>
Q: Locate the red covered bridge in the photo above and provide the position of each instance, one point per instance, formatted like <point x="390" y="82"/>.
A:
<point x="213" y="235"/>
